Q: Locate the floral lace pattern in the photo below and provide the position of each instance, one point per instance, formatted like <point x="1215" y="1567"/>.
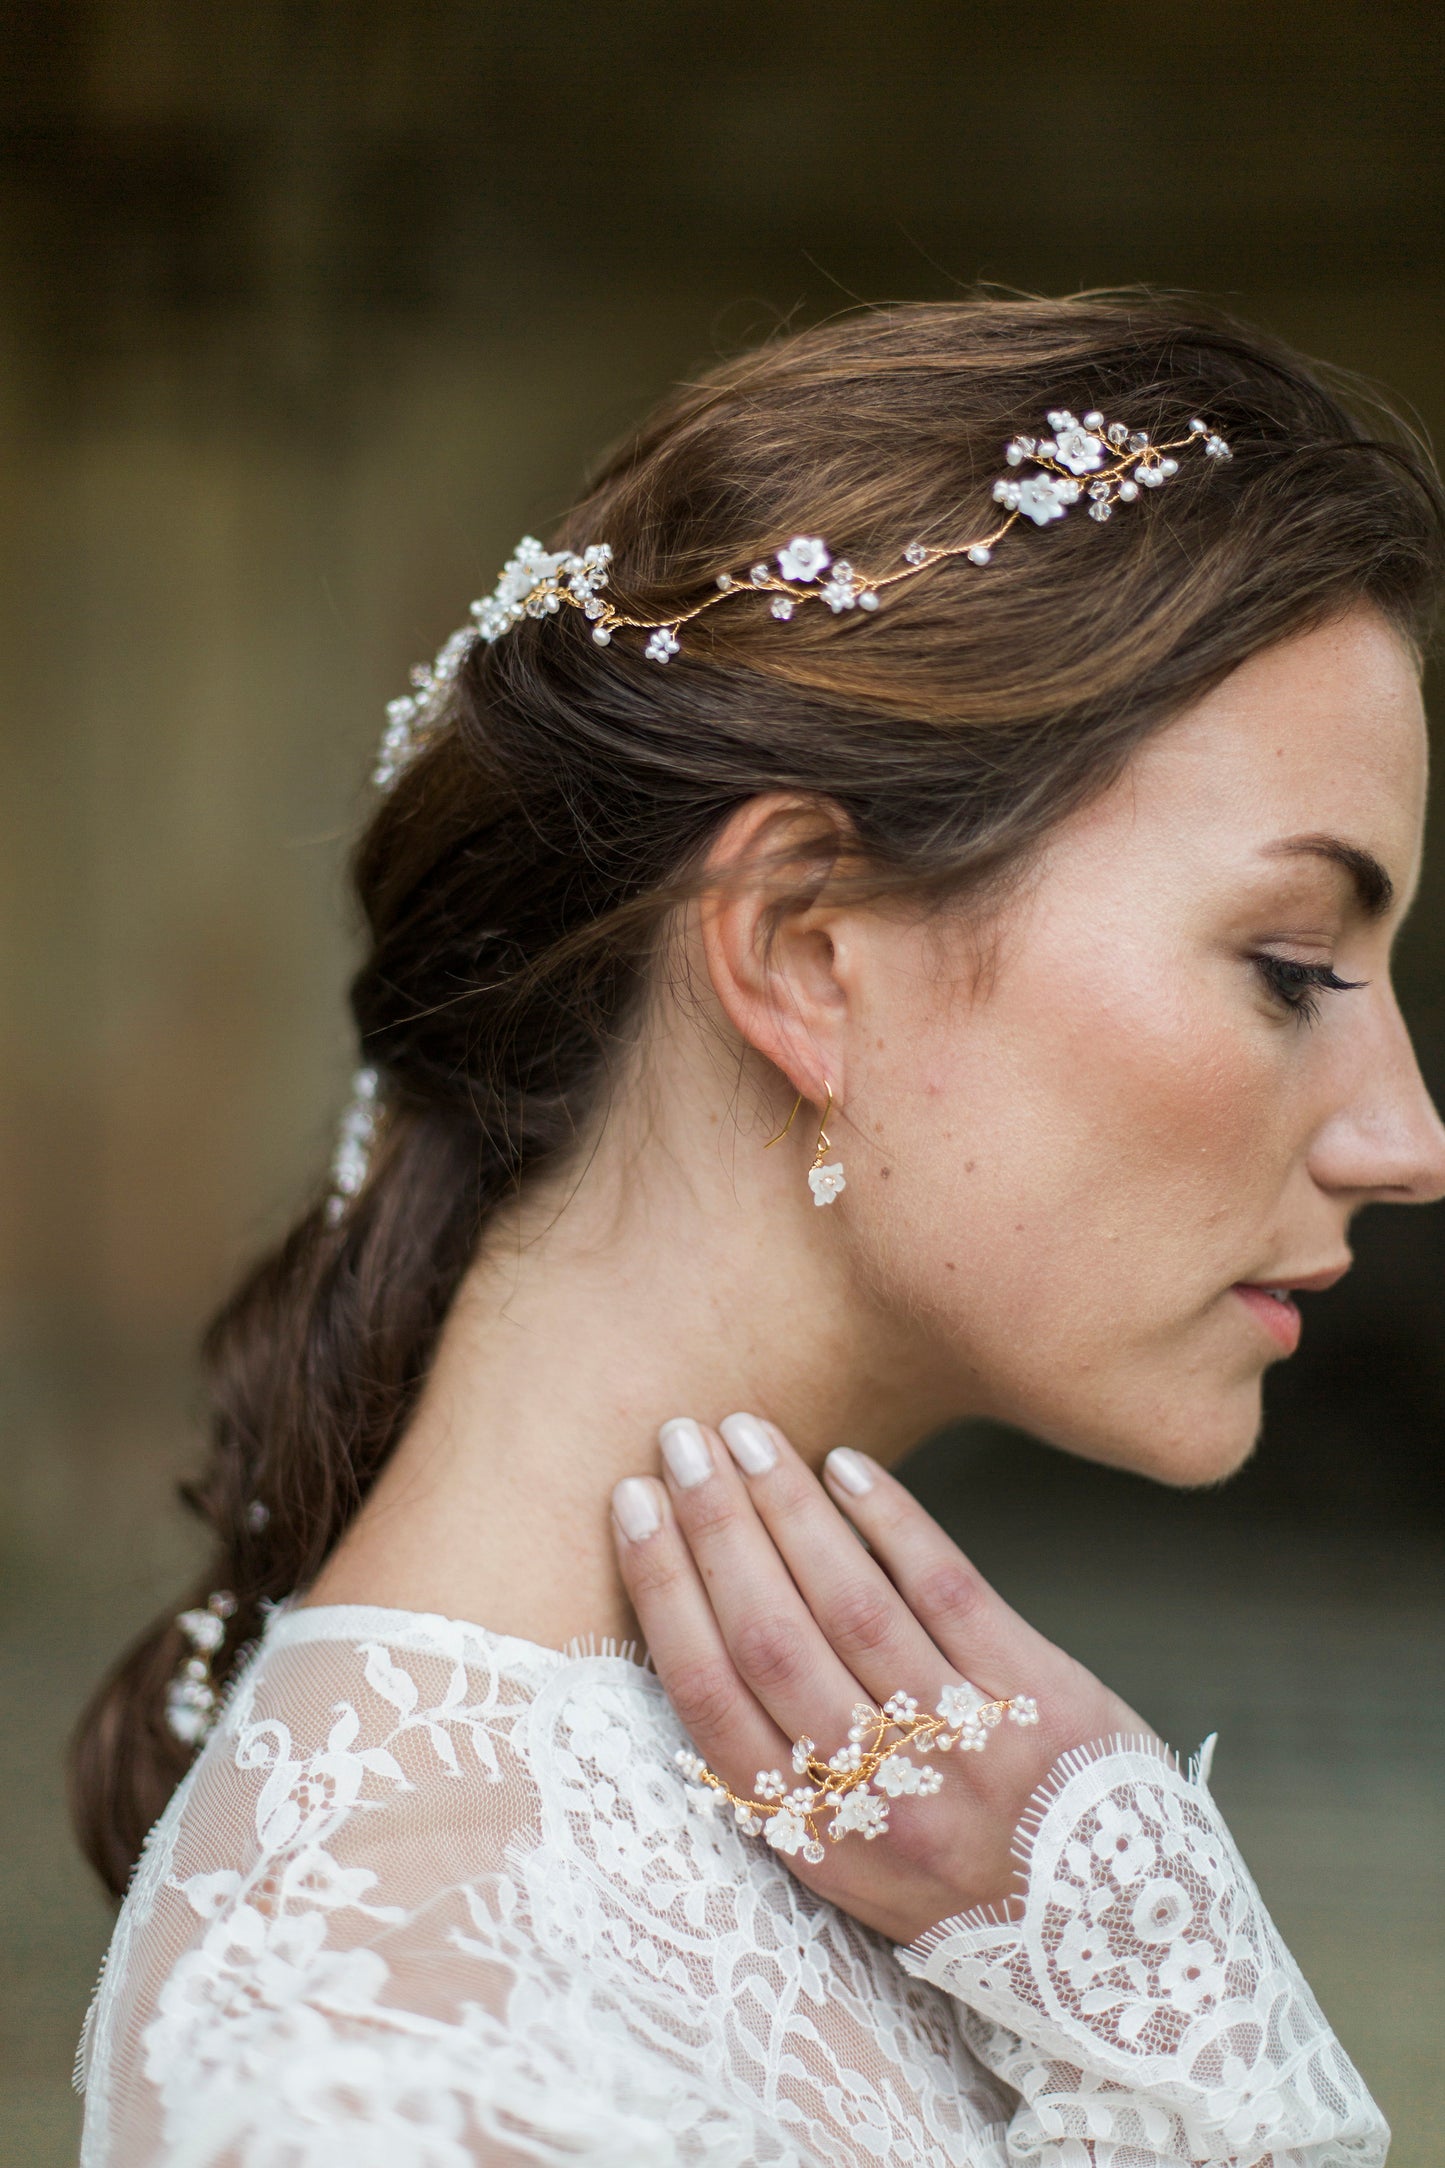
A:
<point x="432" y="1898"/>
<point x="1143" y="2005"/>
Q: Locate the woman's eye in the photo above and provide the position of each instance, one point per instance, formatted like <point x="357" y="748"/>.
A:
<point x="1298" y="986"/>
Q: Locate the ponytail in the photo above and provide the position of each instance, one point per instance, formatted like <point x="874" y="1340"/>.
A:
<point x="314" y="1365"/>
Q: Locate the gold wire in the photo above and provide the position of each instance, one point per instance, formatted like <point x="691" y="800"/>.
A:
<point x="611" y="619"/>
<point x="823" y="1146"/>
<point x="786" y="1126"/>
<point x="835" y="1783"/>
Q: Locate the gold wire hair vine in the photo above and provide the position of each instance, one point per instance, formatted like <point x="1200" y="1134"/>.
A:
<point x="1107" y="462"/>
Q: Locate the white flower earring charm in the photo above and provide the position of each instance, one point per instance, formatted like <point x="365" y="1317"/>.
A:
<point x="825" y="1178"/>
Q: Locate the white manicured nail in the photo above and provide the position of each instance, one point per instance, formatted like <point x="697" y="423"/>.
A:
<point x="636" y="1509"/>
<point x="684" y="1448"/>
<point x="749" y="1443"/>
<point x="852" y="1472"/>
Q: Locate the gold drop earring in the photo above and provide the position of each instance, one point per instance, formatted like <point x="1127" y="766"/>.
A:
<point x="825" y="1180"/>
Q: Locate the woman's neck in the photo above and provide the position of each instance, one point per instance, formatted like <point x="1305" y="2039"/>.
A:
<point x="658" y="1287"/>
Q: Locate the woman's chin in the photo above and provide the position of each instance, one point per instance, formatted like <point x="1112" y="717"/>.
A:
<point x="1188" y="1446"/>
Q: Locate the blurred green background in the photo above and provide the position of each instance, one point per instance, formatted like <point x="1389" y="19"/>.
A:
<point x="309" y="311"/>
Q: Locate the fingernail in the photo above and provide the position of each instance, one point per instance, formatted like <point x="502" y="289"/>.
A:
<point x="750" y="1443"/>
<point x="684" y="1448"/>
<point x="636" y="1509"/>
<point x="852" y="1472"/>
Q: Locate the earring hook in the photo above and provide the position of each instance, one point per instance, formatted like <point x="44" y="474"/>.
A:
<point x="822" y="1140"/>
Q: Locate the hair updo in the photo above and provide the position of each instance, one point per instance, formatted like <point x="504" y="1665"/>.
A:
<point x="515" y="879"/>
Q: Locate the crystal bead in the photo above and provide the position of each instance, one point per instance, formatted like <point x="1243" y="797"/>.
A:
<point x="1099" y="488"/>
<point x="813" y="1852"/>
<point x="1138" y="442"/>
<point x="979" y="554"/>
<point x="1093" y="419"/>
<point x="601" y="635"/>
<point x="783" y="607"/>
<point x="915" y="554"/>
<point x="592" y="607"/>
<point x="758" y="574"/>
<point x="1101" y="509"/>
<point x="1117" y="433"/>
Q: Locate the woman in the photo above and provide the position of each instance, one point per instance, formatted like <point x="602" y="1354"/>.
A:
<point x="835" y="761"/>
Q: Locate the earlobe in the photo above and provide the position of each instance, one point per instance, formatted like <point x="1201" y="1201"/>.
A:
<point x="769" y="938"/>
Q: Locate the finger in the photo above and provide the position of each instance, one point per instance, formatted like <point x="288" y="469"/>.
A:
<point x="775" y="1643"/>
<point x="969" y="1621"/>
<point x="865" y="1620"/>
<point x="721" y="1717"/>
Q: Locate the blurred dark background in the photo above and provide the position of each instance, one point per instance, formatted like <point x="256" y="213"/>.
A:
<point x="308" y="312"/>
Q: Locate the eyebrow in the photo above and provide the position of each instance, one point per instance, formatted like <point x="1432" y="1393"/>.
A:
<point x="1374" y="890"/>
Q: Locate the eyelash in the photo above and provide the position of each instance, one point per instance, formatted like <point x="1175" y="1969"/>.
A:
<point x="1298" y="985"/>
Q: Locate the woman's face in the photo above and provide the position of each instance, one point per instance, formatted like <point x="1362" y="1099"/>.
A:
<point x="1098" y="1149"/>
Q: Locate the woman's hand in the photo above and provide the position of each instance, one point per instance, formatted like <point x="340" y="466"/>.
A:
<point x="767" y="1620"/>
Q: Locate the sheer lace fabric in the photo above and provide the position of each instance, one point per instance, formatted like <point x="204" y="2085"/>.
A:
<point x="432" y="1898"/>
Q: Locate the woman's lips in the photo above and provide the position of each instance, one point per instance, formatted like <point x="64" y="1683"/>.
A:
<point x="1274" y="1311"/>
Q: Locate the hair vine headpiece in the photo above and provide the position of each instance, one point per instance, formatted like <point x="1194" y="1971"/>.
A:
<point x="1107" y="462"/>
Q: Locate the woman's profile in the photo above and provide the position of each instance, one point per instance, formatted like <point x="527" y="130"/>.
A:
<point x="885" y="918"/>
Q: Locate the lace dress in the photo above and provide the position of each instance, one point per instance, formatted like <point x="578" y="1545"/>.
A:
<point x="432" y="1897"/>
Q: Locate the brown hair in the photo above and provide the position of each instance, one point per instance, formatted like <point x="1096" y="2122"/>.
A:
<point x="514" y="880"/>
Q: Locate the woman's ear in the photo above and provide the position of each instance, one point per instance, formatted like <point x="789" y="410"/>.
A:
<point x="778" y="952"/>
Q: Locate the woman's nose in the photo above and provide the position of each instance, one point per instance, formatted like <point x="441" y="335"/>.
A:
<point x="1386" y="1142"/>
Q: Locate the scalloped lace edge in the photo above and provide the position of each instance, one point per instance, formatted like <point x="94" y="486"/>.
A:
<point x="983" y="1919"/>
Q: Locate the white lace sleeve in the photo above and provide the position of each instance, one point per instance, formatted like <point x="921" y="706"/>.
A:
<point x="1141" y="2003"/>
